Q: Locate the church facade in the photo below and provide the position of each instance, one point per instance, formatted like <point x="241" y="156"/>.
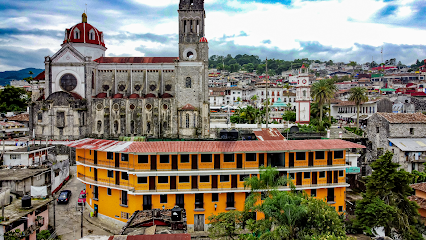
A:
<point x="89" y="95"/>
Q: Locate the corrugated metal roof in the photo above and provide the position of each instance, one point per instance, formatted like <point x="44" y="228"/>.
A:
<point x="409" y="144"/>
<point x="212" y="146"/>
<point x="269" y="134"/>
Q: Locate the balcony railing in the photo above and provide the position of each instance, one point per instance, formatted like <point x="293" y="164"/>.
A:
<point x="105" y="182"/>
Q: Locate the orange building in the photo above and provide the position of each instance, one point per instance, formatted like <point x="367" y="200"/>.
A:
<point x="419" y="197"/>
<point x="204" y="177"/>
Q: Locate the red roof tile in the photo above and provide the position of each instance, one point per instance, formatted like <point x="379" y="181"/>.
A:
<point x="404" y="117"/>
<point x="136" y="59"/>
<point x="24" y="117"/>
<point x="212" y="146"/>
<point x="40" y="76"/>
<point x="419" y="186"/>
<point x="269" y="134"/>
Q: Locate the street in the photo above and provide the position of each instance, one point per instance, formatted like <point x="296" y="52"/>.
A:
<point x="68" y="219"/>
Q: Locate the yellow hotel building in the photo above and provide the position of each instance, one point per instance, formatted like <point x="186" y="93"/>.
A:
<point x="203" y="177"/>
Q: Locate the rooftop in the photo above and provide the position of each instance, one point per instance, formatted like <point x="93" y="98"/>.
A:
<point x="419" y="186"/>
<point x="33" y="148"/>
<point x="15" y="212"/>
<point x="136" y="59"/>
<point x="23" y="117"/>
<point x="409" y="144"/>
<point x="418" y="200"/>
<point x="17" y="174"/>
<point x="211" y="146"/>
<point x="269" y="134"/>
<point x="404" y="117"/>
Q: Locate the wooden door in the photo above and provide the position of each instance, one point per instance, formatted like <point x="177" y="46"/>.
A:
<point x="153" y="162"/>
<point x="95" y="157"/>
<point x="198" y="222"/>
<point x="151" y="183"/>
<point x="261" y="159"/>
<point x="174" y="162"/>
<point x="330" y="158"/>
<point x="299" y="178"/>
<point x="117" y="160"/>
<point x="239" y="160"/>
<point x="117" y="178"/>
<point x="234" y="181"/>
<point x="217" y="161"/>
<point x="194" y="160"/>
<point x="335" y="176"/>
<point x="291" y="160"/>
<point x="329" y="177"/>
<point x="311" y="159"/>
<point x="194" y="182"/>
<point x="172" y="182"/>
<point x="214" y="181"/>
<point x="314" y="178"/>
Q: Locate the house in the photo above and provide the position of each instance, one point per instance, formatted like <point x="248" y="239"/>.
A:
<point x="23" y="118"/>
<point x="20" y="180"/>
<point x="22" y="222"/>
<point x="203" y="177"/>
<point x="384" y="127"/>
<point x="419" y="197"/>
<point x="346" y="110"/>
<point x="27" y="156"/>
<point x="9" y="129"/>
<point x="410" y="153"/>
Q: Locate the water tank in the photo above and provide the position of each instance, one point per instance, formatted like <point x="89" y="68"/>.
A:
<point x="176" y="214"/>
<point x="26" y="201"/>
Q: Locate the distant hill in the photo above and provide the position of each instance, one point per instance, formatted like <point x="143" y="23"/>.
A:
<point x="6" y="76"/>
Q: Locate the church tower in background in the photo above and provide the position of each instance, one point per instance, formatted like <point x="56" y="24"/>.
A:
<point x="303" y="96"/>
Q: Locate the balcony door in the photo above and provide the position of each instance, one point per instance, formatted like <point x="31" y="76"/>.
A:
<point x="311" y="159"/>
<point x="217" y="161"/>
<point x="291" y="160"/>
<point x="117" y="160"/>
<point x="95" y="157"/>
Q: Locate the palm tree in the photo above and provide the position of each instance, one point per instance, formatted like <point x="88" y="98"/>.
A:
<point x="358" y="95"/>
<point x="321" y="92"/>
<point x="333" y="88"/>
<point x="254" y="99"/>
<point x="248" y="113"/>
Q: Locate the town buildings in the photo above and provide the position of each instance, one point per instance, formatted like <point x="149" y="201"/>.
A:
<point x="202" y="177"/>
<point x="419" y="197"/>
<point x="88" y="94"/>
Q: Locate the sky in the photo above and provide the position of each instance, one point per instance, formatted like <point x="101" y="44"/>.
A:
<point x="340" y="30"/>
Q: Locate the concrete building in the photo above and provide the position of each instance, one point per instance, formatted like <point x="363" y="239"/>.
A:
<point x="88" y="94"/>
<point x="410" y="153"/>
<point x="25" y="223"/>
<point x="346" y="110"/>
<point x="385" y="130"/>
<point x="20" y="180"/>
<point x="27" y="156"/>
<point x="202" y="177"/>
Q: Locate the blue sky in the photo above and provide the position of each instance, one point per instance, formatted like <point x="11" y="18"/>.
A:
<point x="341" y="30"/>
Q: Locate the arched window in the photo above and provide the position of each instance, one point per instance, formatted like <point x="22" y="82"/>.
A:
<point x="304" y="93"/>
<point x="91" y="34"/>
<point x="187" y="120"/>
<point x="76" y="33"/>
<point x="99" y="126"/>
<point x="188" y="82"/>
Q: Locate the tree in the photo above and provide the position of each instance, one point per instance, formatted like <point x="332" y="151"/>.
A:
<point x="249" y="67"/>
<point x="43" y="235"/>
<point x="13" y="99"/>
<point x="225" y="225"/>
<point x="385" y="202"/>
<point x="333" y="88"/>
<point x="358" y="95"/>
<point x="289" y="116"/>
<point x="254" y="98"/>
<point x="321" y="93"/>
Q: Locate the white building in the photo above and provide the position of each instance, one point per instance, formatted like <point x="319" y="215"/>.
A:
<point x="303" y="96"/>
<point x="26" y="156"/>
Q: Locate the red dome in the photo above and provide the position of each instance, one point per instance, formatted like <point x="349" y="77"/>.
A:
<point x="101" y="95"/>
<point x="203" y="39"/>
<point x="84" y="33"/>
<point x="118" y="95"/>
<point x="150" y="95"/>
<point x="134" y="95"/>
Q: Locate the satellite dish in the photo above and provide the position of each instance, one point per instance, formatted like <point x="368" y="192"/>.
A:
<point x="294" y="129"/>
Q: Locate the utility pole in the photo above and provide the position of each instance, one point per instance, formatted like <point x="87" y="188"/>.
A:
<point x="267" y="105"/>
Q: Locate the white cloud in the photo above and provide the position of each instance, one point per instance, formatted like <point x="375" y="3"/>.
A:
<point x="157" y="3"/>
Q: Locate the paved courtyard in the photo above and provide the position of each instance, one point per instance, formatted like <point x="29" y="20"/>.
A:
<point x="68" y="219"/>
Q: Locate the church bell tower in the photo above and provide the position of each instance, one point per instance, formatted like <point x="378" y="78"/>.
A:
<point x="303" y="97"/>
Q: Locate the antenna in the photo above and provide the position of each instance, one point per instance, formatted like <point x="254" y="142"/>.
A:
<point x="86" y="8"/>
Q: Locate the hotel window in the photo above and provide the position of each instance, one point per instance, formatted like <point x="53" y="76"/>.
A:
<point x="206" y="158"/>
<point x="338" y="154"/>
<point x="164" y="158"/>
<point x="250" y="157"/>
<point x="205" y="178"/>
<point x="124" y="157"/>
<point x="109" y="191"/>
<point x="163" y="179"/>
<point x="307" y="175"/>
<point x="110" y="155"/>
<point x="142" y="158"/>
<point x="291" y="175"/>
<point x="124" y="176"/>
<point x="215" y="197"/>
<point x="230" y="200"/>
<point x="321" y="174"/>
<point x="243" y="177"/>
<point x="301" y="156"/>
<point x="163" y="198"/>
<point x="110" y="173"/>
<point x="313" y="192"/>
<point x="95" y="192"/>
<point x="124" y="198"/>
<point x="142" y="180"/>
<point x="228" y="157"/>
<point x="341" y="173"/>
<point x="319" y="155"/>
<point x="224" y="178"/>
<point x="183" y="179"/>
<point x="184" y="158"/>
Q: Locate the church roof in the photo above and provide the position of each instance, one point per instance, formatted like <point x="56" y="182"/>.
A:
<point x="40" y="76"/>
<point x="150" y="95"/>
<point x="118" y="95"/>
<point x="136" y="59"/>
<point x="134" y="95"/>
<point x="84" y="31"/>
<point x="203" y="40"/>
<point x="188" y="107"/>
<point x="101" y="95"/>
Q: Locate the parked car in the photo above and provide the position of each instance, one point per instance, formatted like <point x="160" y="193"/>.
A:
<point x="82" y="197"/>
<point x="64" y="196"/>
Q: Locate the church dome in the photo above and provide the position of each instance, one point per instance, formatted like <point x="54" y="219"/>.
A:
<point x="203" y="40"/>
<point x="84" y="33"/>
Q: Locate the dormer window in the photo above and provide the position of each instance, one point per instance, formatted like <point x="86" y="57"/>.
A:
<point x="76" y="33"/>
<point x="92" y="35"/>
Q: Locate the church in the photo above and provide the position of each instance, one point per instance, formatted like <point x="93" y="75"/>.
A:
<point x="87" y="94"/>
